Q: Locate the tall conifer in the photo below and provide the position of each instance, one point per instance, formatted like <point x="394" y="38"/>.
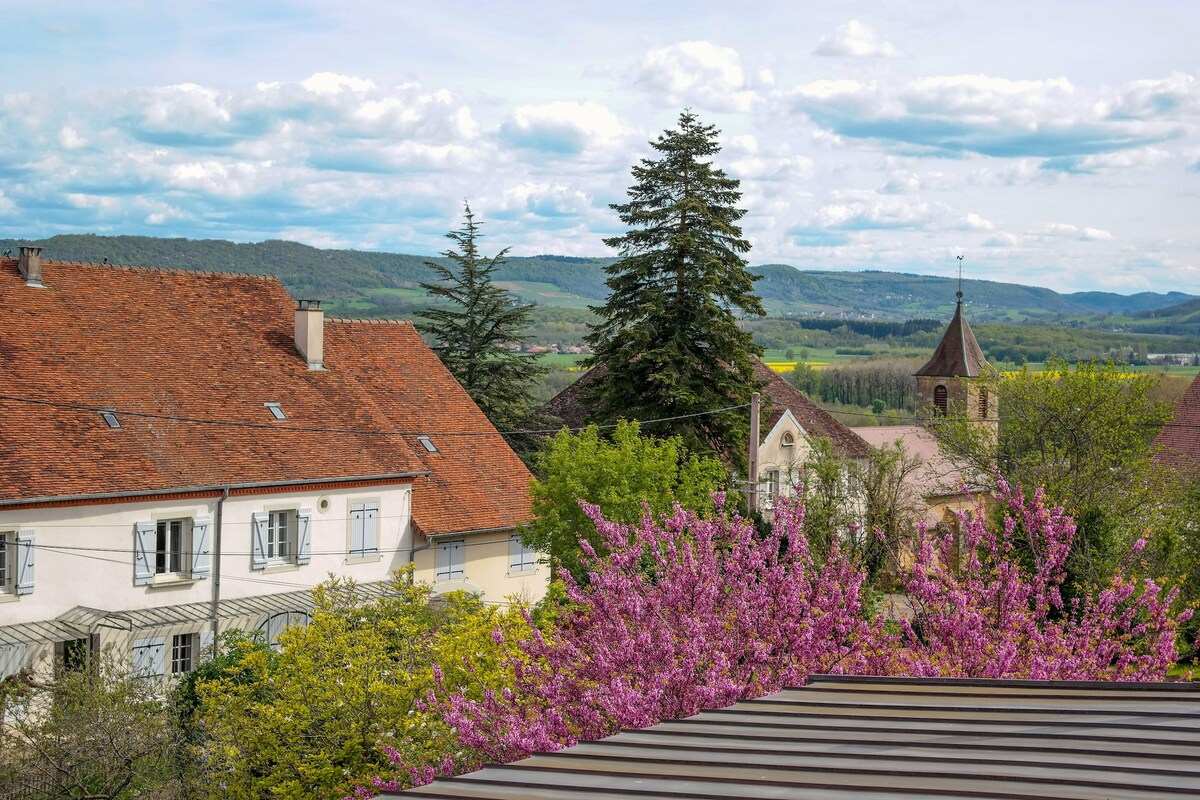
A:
<point x="477" y="331"/>
<point x="668" y="336"/>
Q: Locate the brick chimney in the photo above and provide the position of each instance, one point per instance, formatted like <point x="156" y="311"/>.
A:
<point x="29" y="262"/>
<point x="310" y="332"/>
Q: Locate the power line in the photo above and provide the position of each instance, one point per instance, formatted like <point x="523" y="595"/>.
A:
<point x="352" y="431"/>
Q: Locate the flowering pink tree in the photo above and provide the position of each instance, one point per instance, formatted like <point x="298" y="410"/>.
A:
<point x="684" y="615"/>
<point x="990" y="617"/>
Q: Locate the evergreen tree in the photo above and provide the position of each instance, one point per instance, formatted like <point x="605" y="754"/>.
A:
<point x="668" y="336"/>
<point x="477" y="332"/>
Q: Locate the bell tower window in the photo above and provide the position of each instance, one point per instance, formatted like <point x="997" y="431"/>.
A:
<point x="940" y="398"/>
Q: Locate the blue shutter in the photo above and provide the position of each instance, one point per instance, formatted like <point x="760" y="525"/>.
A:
<point x="143" y="553"/>
<point x="515" y="556"/>
<point x="457" y="558"/>
<point x="304" y="536"/>
<point x="258" y="540"/>
<point x="150" y="657"/>
<point x="357" y="530"/>
<point x="443" y="561"/>
<point x="201" y="555"/>
<point x="206" y="645"/>
<point x="25" y="553"/>
<point x="12" y="659"/>
<point x="371" y="529"/>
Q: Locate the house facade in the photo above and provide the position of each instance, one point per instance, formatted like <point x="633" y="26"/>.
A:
<point x="190" y="452"/>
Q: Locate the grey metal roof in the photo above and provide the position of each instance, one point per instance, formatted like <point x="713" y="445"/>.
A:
<point x="858" y="737"/>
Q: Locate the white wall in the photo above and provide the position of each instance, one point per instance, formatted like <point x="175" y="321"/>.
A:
<point x="788" y="460"/>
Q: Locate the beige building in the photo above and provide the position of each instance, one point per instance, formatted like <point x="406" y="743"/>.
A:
<point x="189" y="452"/>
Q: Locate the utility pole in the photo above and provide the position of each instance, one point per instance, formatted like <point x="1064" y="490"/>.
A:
<point x="752" y="478"/>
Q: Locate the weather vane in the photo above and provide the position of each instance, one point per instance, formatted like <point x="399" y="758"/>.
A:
<point x="960" y="260"/>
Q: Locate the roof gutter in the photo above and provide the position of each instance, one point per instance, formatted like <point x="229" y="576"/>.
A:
<point x="233" y="487"/>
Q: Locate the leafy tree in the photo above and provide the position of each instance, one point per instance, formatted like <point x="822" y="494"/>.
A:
<point x="98" y="732"/>
<point x="479" y="329"/>
<point x="668" y="335"/>
<point x="340" y="704"/>
<point x="625" y="476"/>
<point x="1082" y="433"/>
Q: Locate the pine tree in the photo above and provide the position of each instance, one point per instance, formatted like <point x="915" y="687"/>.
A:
<point x="667" y="336"/>
<point x="477" y="332"/>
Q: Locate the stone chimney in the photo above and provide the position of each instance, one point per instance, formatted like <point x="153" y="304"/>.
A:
<point x="29" y="262"/>
<point x="310" y="332"/>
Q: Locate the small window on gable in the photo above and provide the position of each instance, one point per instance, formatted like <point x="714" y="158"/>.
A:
<point x="427" y="443"/>
<point x="787" y="440"/>
<point x="983" y="403"/>
<point x="110" y="419"/>
<point x="276" y="410"/>
<point x="940" y="399"/>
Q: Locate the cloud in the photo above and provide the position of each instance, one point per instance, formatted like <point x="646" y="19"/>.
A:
<point x="561" y="128"/>
<point x="1067" y="230"/>
<point x="855" y="40"/>
<point x="958" y="115"/>
<point x="1002" y="239"/>
<point x="1097" y="163"/>
<point x="699" y="73"/>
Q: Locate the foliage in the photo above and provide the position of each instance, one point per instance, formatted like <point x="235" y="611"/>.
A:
<point x="342" y="698"/>
<point x="687" y="614"/>
<point x="477" y="334"/>
<point x="1083" y="434"/>
<point x="864" y="504"/>
<point x="684" y="614"/>
<point x="626" y="476"/>
<point x="990" y="616"/>
<point x="888" y="381"/>
<point x="668" y="335"/>
<point x="97" y="732"/>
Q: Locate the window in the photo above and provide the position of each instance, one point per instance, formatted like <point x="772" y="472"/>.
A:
<point x="16" y="562"/>
<point x="450" y="560"/>
<point x="771" y="491"/>
<point x="168" y="549"/>
<point x="172" y="550"/>
<point x="149" y="657"/>
<point x="281" y="536"/>
<point x="183" y="653"/>
<point x="787" y="440"/>
<point x="983" y="403"/>
<point x="276" y="410"/>
<point x="364" y="530"/>
<point x="940" y="399"/>
<point x="110" y="419"/>
<point x="427" y="443"/>
<point x="75" y="654"/>
<point x="521" y="558"/>
<point x="274" y="625"/>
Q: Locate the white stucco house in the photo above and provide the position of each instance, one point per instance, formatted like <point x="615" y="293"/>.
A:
<point x="187" y="452"/>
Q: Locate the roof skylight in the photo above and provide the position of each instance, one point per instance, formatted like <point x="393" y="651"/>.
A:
<point x="427" y="443"/>
<point x="275" y="410"/>
<point x="110" y="419"/>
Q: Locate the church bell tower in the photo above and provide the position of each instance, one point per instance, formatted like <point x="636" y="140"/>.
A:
<point x="948" y="383"/>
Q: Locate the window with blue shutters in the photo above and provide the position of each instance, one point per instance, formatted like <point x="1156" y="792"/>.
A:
<point x="149" y="657"/>
<point x="25" y="554"/>
<point x="521" y="558"/>
<point x="451" y="558"/>
<point x="282" y="536"/>
<point x="171" y="549"/>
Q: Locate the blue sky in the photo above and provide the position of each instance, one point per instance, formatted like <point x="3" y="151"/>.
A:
<point x="1052" y="143"/>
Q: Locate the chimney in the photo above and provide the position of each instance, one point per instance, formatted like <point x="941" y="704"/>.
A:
<point x="310" y="332"/>
<point x="29" y="262"/>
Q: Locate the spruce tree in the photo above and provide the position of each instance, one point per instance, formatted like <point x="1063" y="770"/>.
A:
<point x="668" y="336"/>
<point x="479" y="329"/>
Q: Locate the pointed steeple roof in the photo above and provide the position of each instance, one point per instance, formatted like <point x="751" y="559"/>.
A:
<point x="958" y="354"/>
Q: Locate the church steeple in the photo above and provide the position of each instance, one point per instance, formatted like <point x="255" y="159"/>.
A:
<point x="947" y="383"/>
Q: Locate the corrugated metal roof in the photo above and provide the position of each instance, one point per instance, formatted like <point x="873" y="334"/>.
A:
<point x="857" y="737"/>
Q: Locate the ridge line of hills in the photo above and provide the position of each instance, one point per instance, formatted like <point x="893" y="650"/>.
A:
<point x="366" y="283"/>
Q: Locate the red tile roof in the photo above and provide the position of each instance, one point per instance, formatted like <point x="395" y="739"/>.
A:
<point x="1178" y="443"/>
<point x="213" y="346"/>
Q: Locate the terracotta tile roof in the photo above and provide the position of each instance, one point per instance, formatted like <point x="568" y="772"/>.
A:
<point x="569" y="406"/>
<point x="215" y="346"/>
<point x="958" y="355"/>
<point x="1178" y="443"/>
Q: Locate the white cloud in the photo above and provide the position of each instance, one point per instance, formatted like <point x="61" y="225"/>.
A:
<point x="699" y="73"/>
<point x="70" y="139"/>
<point x="1067" y="230"/>
<point x="854" y="39"/>
<point x="333" y="83"/>
<point x="563" y="128"/>
<point x="1002" y="239"/>
<point x="7" y="206"/>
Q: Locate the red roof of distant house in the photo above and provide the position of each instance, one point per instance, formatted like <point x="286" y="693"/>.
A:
<point x="212" y="346"/>
<point x="1178" y="443"/>
<point x="569" y="405"/>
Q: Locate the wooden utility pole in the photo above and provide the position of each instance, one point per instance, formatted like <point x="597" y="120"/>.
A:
<point x="752" y="452"/>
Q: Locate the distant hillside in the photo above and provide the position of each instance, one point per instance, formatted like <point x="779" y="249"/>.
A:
<point x="364" y="283"/>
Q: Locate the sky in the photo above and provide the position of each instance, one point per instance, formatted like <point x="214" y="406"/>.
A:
<point x="1049" y="143"/>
